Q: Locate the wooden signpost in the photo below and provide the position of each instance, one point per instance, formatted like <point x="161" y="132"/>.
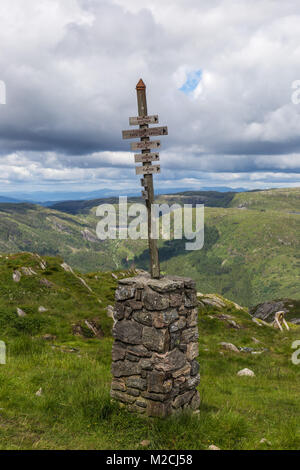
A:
<point x="154" y="144"/>
<point x="145" y="132"/>
<point x="146" y="158"/>
<point x="136" y="121"/>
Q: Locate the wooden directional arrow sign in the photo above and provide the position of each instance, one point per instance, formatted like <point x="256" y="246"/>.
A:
<point x="140" y="120"/>
<point x="147" y="169"/>
<point x="146" y="157"/>
<point x="136" y="133"/>
<point x="154" y="144"/>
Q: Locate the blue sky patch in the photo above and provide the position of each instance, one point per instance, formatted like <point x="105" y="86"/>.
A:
<point x="193" y="78"/>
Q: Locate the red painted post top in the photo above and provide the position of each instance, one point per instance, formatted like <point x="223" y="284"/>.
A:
<point x="141" y="85"/>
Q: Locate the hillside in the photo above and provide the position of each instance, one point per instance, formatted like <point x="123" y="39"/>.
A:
<point x="209" y="198"/>
<point x="251" y="251"/>
<point x="248" y="256"/>
<point x="284" y="199"/>
<point x="54" y="299"/>
<point x="54" y="390"/>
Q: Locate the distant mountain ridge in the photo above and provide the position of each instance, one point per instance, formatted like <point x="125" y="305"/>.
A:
<point x="10" y="200"/>
<point x="48" y="197"/>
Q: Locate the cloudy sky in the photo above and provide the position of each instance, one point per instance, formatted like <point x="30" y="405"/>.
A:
<point x="218" y="73"/>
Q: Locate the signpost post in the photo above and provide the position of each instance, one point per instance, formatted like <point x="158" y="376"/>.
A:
<point x="146" y="158"/>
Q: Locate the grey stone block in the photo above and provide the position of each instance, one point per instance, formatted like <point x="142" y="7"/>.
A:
<point x="136" y="382"/>
<point x="128" y="332"/>
<point x="125" y="292"/>
<point x="170" y="361"/>
<point x="143" y="317"/>
<point x="194" y="367"/>
<point x="154" y="301"/>
<point x="125" y="368"/>
<point x="164" y="319"/>
<point x="155" y="339"/>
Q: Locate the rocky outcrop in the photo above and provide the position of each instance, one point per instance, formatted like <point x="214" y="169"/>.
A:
<point x="266" y="311"/>
<point x="154" y="366"/>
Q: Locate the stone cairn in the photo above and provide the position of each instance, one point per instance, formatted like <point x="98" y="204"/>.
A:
<point x="154" y="366"/>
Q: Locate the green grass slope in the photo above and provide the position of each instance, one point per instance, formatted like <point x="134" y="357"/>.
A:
<point x="73" y="409"/>
<point x="68" y="298"/>
<point x="283" y="199"/>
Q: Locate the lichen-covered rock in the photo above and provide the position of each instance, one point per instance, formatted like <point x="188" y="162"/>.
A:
<point x="192" y="319"/>
<point x="192" y="351"/>
<point x="195" y="401"/>
<point x="119" y="311"/>
<point x="158" y="409"/>
<point x="170" y="361"/>
<point x="182" y="399"/>
<point x="118" y="352"/>
<point x="125" y="368"/>
<point x="125" y="292"/>
<point x="143" y="317"/>
<point x="118" y="384"/>
<point x="183" y="371"/>
<point x="138" y="350"/>
<point x="134" y="304"/>
<point x="178" y="325"/>
<point x="154" y="301"/>
<point x="128" y="332"/>
<point x="164" y="319"/>
<point x="190" y="335"/>
<point x="194" y="367"/>
<point x="136" y="382"/>
<point x="190" y="299"/>
<point x="156" y="382"/>
<point x="175" y="339"/>
<point x="122" y="396"/>
<point x="166" y="284"/>
<point x="155" y="339"/>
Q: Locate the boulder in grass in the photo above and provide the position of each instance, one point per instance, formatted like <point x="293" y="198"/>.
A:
<point x="28" y="271"/>
<point x="145" y="443"/>
<point x="16" y="276"/>
<point x="42" y="309"/>
<point x="246" y="372"/>
<point x="110" y="311"/>
<point x="21" y="313"/>
<point x="229" y="347"/>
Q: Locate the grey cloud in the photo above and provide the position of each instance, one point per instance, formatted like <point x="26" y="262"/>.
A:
<point x="71" y="81"/>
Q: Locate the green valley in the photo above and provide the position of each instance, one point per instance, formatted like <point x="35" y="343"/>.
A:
<point x="251" y="251"/>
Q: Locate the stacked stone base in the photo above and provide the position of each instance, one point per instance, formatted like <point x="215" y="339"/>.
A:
<point x="155" y="370"/>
